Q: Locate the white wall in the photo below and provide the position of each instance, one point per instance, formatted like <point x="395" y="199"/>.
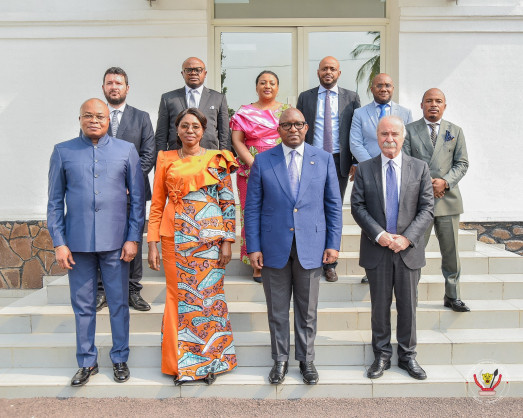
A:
<point x="475" y="55"/>
<point x="54" y="56"/>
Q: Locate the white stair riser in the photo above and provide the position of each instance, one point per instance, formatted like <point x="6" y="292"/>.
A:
<point x="328" y="320"/>
<point x="329" y="292"/>
<point x="354" y="354"/>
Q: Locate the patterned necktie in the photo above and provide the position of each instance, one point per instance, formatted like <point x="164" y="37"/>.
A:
<point x="433" y="134"/>
<point x="327" y="124"/>
<point x="192" y="99"/>
<point x="392" y="199"/>
<point x="293" y="175"/>
<point x="383" y="110"/>
<point x="115" y="123"/>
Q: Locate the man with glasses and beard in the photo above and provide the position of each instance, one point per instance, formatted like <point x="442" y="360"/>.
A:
<point x="328" y="110"/>
<point x="134" y="126"/>
<point x="194" y="94"/>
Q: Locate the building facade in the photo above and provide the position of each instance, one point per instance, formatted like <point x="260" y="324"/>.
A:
<point x="54" y="54"/>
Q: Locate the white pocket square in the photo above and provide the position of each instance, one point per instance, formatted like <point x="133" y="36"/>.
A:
<point x="211" y="108"/>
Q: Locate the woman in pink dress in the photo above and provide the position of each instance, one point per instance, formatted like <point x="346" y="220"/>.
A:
<point x="254" y="130"/>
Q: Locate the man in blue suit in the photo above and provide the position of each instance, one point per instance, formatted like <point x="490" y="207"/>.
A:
<point x="293" y="222"/>
<point x="363" y="138"/>
<point x="93" y="175"/>
<point x="134" y="126"/>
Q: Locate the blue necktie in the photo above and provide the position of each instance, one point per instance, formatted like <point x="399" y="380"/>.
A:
<point x="327" y="124"/>
<point x="383" y="110"/>
<point x="392" y="205"/>
<point x="293" y="175"/>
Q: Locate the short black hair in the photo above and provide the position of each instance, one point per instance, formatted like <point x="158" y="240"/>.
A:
<point x="118" y="71"/>
<point x="268" y="72"/>
<point x="191" y="111"/>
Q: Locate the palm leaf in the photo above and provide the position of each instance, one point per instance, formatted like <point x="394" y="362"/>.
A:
<point x="371" y="67"/>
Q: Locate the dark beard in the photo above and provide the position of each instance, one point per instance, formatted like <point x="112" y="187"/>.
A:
<point x="114" y="102"/>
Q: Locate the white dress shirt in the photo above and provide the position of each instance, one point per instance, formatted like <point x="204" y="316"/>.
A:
<point x="396" y="162"/>
<point x="428" y="122"/>
<point x="298" y="157"/>
<point x="378" y="108"/>
<point x="120" y="109"/>
<point x="320" y="117"/>
<point x="196" y="92"/>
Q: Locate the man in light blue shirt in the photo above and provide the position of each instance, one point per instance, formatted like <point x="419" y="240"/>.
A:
<point x="329" y="124"/>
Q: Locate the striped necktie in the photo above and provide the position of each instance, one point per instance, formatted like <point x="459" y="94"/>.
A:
<point x="115" y="123"/>
<point x="433" y="133"/>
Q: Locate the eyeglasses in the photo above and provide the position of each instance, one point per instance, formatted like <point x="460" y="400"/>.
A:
<point x="187" y="126"/>
<point x="90" y="116"/>
<point x="387" y="86"/>
<point x="197" y="70"/>
<point x="286" y="126"/>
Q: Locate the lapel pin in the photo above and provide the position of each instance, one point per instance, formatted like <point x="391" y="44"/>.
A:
<point x="212" y="107"/>
<point x="312" y="162"/>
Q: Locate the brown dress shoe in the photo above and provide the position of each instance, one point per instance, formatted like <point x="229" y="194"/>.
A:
<point x="331" y="275"/>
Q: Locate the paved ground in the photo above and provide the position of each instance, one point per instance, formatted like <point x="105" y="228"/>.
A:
<point x="129" y="408"/>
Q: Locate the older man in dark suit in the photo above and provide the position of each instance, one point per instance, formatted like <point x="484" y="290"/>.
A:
<point x="194" y="94"/>
<point x="392" y="202"/>
<point x="134" y="126"/>
<point x="328" y="110"/>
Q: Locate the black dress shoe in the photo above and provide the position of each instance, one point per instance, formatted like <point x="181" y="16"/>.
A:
<point x="378" y="367"/>
<point x="257" y="279"/>
<point x="101" y="301"/>
<point x="413" y="369"/>
<point x="457" y="305"/>
<point x="365" y="279"/>
<point x="278" y="372"/>
<point x="121" y="372"/>
<point x="137" y="302"/>
<point x="331" y="275"/>
<point x="309" y="373"/>
<point x="82" y="375"/>
<point x="210" y="378"/>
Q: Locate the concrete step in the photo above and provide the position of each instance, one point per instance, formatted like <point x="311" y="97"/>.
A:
<point x="333" y="348"/>
<point x="484" y="260"/>
<point x="350" y="240"/>
<point x="252" y="316"/>
<point x="251" y="382"/>
<point x="347" y="288"/>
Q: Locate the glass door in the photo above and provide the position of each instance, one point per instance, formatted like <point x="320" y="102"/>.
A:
<point x="294" y="53"/>
<point x="245" y="52"/>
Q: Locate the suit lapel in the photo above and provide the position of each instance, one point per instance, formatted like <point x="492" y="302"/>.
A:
<point x="181" y="98"/>
<point x="378" y="178"/>
<point x="394" y="109"/>
<point x="423" y="132"/>
<point x="308" y="169"/>
<point x="126" y="118"/>
<point x="406" y="170"/>
<point x="204" y="100"/>
<point x="280" y="170"/>
<point x="443" y="126"/>
<point x="371" y="111"/>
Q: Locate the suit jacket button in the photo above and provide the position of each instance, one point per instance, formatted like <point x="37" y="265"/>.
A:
<point x="295" y="210"/>
<point x="292" y="229"/>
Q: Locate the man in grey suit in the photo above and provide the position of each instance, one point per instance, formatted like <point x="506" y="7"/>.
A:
<point x="363" y="138"/>
<point x="292" y="225"/>
<point x="441" y="145"/>
<point x="193" y="94"/>
<point x="134" y="126"/>
<point x="392" y="202"/>
<point x="329" y="124"/>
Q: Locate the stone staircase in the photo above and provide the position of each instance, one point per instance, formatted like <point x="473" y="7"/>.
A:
<point x="37" y="340"/>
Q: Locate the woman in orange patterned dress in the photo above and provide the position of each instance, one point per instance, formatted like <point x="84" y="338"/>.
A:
<point x="196" y="228"/>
